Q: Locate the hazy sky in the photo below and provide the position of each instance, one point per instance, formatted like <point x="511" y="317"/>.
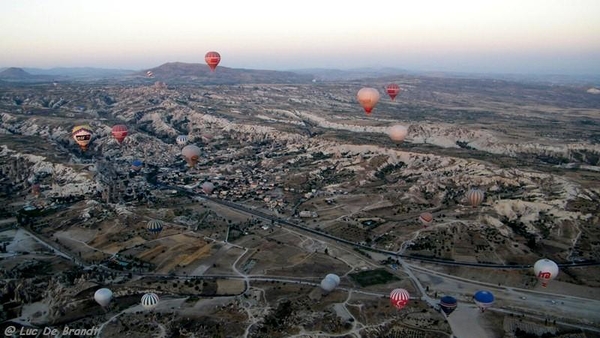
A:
<point x="516" y="36"/>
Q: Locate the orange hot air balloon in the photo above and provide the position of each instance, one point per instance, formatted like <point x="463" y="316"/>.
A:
<point x="212" y="60"/>
<point x="392" y="89"/>
<point x="368" y="98"/>
<point x="191" y="153"/>
<point x="82" y="134"/>
<point x="119" y="132"/>
<point x="475" y="197"/>
<point x="426" y="218"/>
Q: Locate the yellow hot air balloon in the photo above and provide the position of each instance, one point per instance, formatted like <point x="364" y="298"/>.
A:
<point x="82" y="134"/>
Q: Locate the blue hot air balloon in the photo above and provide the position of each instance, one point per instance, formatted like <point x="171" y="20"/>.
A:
<point x="137" y="165"/>
<point x="448" y="304"/>
<point x="483" y="299"/>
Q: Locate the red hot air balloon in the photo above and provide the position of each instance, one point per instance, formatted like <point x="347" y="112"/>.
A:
<point x="368" y="98"/>
<point x="399" y="298"/>
<point x="119" y="132"/>
<point x="212" y="60"/>
<point x="392" y="89"/>
<point x="426" y="218"/>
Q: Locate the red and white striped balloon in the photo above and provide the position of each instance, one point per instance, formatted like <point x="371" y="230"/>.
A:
<point x="475" y="197"/>
<point x="399" y="298"/>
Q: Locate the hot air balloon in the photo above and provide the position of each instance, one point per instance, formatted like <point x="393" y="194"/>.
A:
<point x="181" y="140"/>
<point x="426" y="218"/>
<point x="35" y="190"/>
<point x="545" y="270"/>
<point x="399" y="298"/>
<point x="191" y="153"/>
<point x="328" y="284"/>
<point x="368" y="98"/>
<point x="483" y="299"/>
<point x="448" y="304"/>
<point x="150" y="301"/>
<point x="137" y="165"/>
<point x="397" y="133"/>
<point x="392" y="89"/>
<point x="207" y="187"/>
<point x="82" y="134"/>
<point x="155" y="226"/>
<point x="212" y="60"/>
<point x="103" y="296"/>
<point x="119" y="132"/>
<point x="475" y="197"/>
<point x="334" y="277"/>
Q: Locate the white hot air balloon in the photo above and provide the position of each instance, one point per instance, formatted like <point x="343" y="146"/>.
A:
<point x="397" y="133"/>
<point x="334" y="277"/>
<point x="181" y="140"/>
<point x="150" y="301"/>
<point x="545" y="270"/>
<point x="103" y="296"/>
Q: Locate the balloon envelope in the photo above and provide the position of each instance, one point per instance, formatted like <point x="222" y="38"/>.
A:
<point x="334" y="277"/>
<point x="328" y="284"/>
<point x="397" y="133"/>
<point x="392" y="89"/>
<point x="154" y="226"/>
<point x="448" y="304"/>
<point x="103" y="296"/>
<point x="150" y="301"/>
<point x="212" y="59"/>
<point x="82" y="134"/>
<point x="368" y="98"/>
<point x="191" y="153"/>
<point x="426" y="218"/>
<point x="545" y="270"/>
<point x="119" y="132"/>
<point x="181" y="140"/>
<point x="483" y="299"/>
<point x="207" y="187"/>
<point x="475" y="197"/>
<point x="399" y="298"/>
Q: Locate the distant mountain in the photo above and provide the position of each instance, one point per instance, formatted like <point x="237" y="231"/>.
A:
<point x="80" y="72"/>
<point x="325" y="74"/>
<point x="179" y="72"/>
<point x="14" y="73"/>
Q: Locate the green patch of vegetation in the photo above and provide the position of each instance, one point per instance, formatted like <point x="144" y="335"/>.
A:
<point x="373" y="277"/>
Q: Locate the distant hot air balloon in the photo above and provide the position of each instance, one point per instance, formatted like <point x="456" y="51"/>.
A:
<point x="392" y="89"/>
<point x="150" y="74"/>
<point x="448" y="304"/>
<point x="137" y="165"/>
<point x="483" y="299"/>
<point x="334" y="277"/>
<point x="82" y="134"/>
<point x="207" y="187"/>
<point x="103" y="296"/>
<point x="191" y="153"/>
<point x="150" y="301"/>
<point x="155" y="226"/>
<point x="426" y="218"/>
<point x="397" y="133"/>
<point x="368" y="98"/>
<point x="328" y="284"/>
<point x="545" y="270"/>
<point x="399" y="298"/>
<point x="181" y="140"/>
<point x="35" y="190"/>
<point x="212" y="60"/>
<point x="119" y="132"/>
<point x="475" y="197"/>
